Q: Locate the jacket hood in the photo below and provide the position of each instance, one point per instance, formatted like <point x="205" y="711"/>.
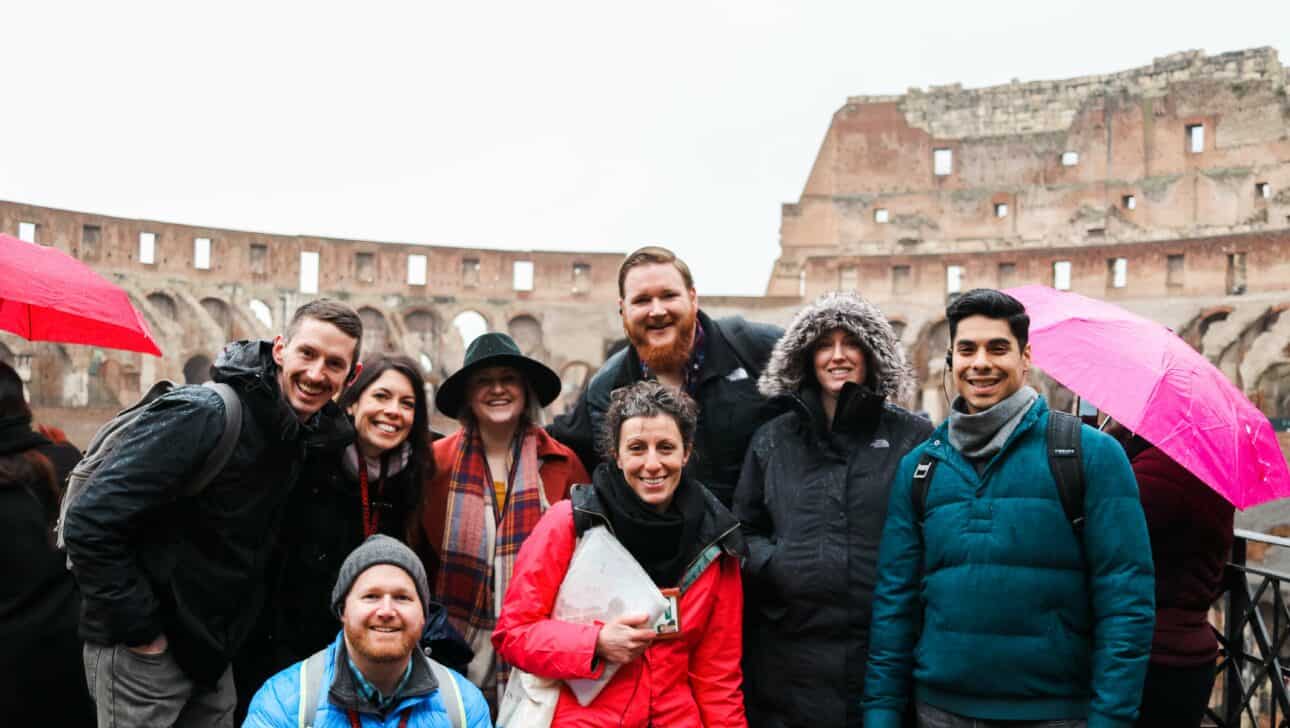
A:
<point x="888" y="374"/>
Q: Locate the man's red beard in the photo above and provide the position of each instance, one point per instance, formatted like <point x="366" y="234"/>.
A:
<point x="664" y="357"/>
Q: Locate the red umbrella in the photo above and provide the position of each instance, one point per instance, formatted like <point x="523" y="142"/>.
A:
<point x="47" y="295"/>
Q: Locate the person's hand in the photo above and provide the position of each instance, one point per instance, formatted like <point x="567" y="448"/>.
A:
<point x="623" y="639"/>
<point x="155" y="647"/>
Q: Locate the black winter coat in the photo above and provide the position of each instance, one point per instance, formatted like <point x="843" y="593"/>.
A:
<point x="812" y="503"/>
<point x="150" y="560"/>
<point x="730" y="407"/>
<point x="39" y="609"/>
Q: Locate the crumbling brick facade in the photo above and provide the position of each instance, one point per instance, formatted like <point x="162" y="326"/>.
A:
<point x="1164" y="188"/>
<point x="199" y="287"/>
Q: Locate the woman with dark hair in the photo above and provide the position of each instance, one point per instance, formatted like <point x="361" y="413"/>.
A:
<point x="813" y="500"/>
<point x="500" y="472"/>
<point x="375" y="485"/>
<point x="39" y="603"/>
<point x="682" y="671"/>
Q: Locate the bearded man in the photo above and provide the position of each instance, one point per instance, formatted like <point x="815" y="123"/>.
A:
<point x="715" y="361"/>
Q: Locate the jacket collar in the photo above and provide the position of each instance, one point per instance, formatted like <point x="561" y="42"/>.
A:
<point x="719" y="526"/>
<point x="344" y="693"/>
<point x="939" y="442"/>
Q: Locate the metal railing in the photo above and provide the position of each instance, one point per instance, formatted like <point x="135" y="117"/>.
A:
<point x="1253" y="632"/>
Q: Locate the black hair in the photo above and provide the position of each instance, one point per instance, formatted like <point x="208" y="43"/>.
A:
<point x="12" y="401"/>
<point x="992" y="304"/>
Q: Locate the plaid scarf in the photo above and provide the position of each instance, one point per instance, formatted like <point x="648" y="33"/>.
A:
<point x="480" y="546"/>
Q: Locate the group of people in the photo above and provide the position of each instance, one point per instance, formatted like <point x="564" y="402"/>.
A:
<point x="829" y="558"/>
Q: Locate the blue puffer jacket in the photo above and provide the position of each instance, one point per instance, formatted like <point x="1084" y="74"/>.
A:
<point x="277" y="703"/>
<point x="1018" y="624"/>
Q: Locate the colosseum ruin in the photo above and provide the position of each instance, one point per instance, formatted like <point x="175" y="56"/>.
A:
<point x="1165" y="189"/>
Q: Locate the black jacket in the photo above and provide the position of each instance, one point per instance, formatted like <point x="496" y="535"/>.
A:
<point x="812" y="502"/>
<point x="39" y="609"/>
<point x="730" y="407"/>
<point x="150" y="560"/>
<point x="323" y="524"/>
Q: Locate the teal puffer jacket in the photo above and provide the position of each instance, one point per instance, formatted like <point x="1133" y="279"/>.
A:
<point x="1020" y="620"/>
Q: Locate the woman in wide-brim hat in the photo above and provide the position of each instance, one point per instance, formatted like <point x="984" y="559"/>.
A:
<point x="497" y="476"/>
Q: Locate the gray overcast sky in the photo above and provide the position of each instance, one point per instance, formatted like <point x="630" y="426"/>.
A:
<point x="552" y="125"/>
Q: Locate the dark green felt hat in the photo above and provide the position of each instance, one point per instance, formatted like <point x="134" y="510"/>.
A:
<point x="496" y="350"/>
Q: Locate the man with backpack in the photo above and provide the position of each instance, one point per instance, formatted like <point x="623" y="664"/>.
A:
<point x="170" y="556"/>
<point x="716" y="362"/>
<point x="1015" y="582"/>
<point x="373" y="673"/>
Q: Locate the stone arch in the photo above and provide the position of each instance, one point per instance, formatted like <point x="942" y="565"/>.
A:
<point x="421" y="338"/>
<point x="164" y="305"/>
<point x="1229" y="361"/>
<point x="898" y="325"/>
<point x="1272" y="391"/>
<point x="376" y="331"/>
<point x="221" y="314"/>
<point x="469" y="324"/>
<point x="261" y="312"/>
<point x="197" y="369"/>
<point x="928" y="361"/>
<point x="573" y="382"/>
<point x="1194" y="332"/>
<point x="527" y="332"/>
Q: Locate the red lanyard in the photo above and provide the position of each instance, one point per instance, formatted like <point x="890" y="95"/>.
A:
<point x="355" y="723"/>
<point x="370" y="520"/>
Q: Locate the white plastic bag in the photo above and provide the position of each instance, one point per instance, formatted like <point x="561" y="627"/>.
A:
<point x="603" y="582"/>
<point x="529" y="701"/>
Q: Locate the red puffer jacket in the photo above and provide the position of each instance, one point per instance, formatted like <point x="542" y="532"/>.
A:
<point x="690" y="681"/>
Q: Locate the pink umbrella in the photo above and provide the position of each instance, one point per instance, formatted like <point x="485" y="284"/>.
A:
<point x="47" y="295"/>
<point x="1152" y="382"/>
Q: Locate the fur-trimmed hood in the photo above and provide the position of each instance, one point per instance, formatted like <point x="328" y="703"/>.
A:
<point x="889" y="375"/>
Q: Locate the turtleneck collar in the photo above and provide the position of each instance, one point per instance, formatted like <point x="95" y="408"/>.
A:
<point x="979" y="436"/>
<point x="16" y="435"/>
<point x="395" y="461"/>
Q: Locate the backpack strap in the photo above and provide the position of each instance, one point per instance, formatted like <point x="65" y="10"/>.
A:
<point x="1066" y="462"/>
<point x="223" y="452"/>
<point x="922" y="482"/>
<point x="311" y="688"/>
<point x="450" y="694"/>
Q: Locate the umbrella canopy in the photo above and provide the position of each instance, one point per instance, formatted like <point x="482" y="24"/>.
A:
<point x="47" y="295"/>
<point x="1152" y="382"/>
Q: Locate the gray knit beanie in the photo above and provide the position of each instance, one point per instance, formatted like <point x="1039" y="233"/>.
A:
<point x="379" y="549"/>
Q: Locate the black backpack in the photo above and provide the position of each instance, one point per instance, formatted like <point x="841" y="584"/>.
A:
<point x="1064" y="462"/>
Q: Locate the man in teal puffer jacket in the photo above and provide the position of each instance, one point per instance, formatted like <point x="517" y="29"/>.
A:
<point x="990" y="607"/>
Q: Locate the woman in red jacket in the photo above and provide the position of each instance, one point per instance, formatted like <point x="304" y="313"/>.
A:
<point x="497" y="475"/>
<point x="682" y="676"/>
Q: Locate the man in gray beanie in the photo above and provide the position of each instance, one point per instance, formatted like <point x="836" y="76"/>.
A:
<point x="373" y="668"/>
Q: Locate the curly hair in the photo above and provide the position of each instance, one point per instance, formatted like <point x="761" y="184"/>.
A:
<point x="646" y="399"/>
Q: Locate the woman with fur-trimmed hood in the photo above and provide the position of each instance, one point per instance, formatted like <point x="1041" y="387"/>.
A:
<point x="812" y="499"/>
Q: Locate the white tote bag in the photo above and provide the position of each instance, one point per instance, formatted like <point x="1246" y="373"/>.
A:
<point x="529" y="701"/>
<point x="604" y="581"/>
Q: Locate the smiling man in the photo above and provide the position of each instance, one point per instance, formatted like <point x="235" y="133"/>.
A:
<point x="373" y="674"/>
<point x="172" y="581"/>
<point x="716" y="362"/>
<point x="1035" y="595"/>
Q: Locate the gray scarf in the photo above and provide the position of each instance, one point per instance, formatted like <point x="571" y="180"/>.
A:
<point x="981" y="435"/>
